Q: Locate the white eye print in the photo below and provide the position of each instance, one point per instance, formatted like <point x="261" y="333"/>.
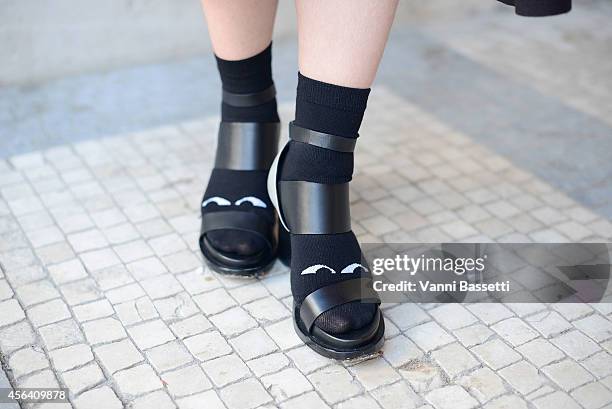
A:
<point x="251" y="199"/>
<point x="313" y="269"/>
<point x="217" y="200"/>
<point x="351" y="268"/>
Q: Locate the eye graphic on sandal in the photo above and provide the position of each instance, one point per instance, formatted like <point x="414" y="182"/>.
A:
<point x="346" y="270"/>
<point x="219" y="201"/>
<point x="350" y="269"/>
<point x="251" y="199"/>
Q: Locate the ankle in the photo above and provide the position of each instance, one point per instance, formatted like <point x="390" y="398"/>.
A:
<point x="313" y="164"/>
<point x="248" y="76"/>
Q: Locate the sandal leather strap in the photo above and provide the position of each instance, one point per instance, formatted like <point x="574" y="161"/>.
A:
<point x="322" y="140"/>
<point x="249" y="100"/>
<point x="238" y="220"/>
<point x="333" y="295"/>
<point x="247" y="145"/>
<point x="315" y="208"/>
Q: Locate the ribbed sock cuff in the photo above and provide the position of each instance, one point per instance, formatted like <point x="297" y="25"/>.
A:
<point x="330" y="108"/>
<point x="246" y="76"/>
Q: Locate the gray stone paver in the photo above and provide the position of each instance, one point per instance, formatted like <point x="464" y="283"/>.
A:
<point x="137" y="318"/>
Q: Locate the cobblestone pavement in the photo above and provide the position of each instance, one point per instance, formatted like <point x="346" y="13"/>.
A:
<point x="103" y="290"/>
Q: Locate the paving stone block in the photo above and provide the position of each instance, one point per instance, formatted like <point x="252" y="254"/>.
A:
<point x="137" y="380"/>
<point x="308" y="400"/>
<point x="548" y="323"/>
<point x="103" y="330"/>
<point x="374" y="373"/>
<point x="176" y="307"/>
<point x="61" y="334"/>
<point x="93" y="310"/>
<point x="87" y="240"/>
<point x="168" y="356"/>
<point x="79" y="292"/>
<point x="158" y="399"/>
<point x="454" y="359"/>
<point x="36" y="292"/>
<point x="496" y="354"/>
<point x="596" y="327"/>
<point x="150" y="334"/>
<point x="599" y="364"/>
<point x="190" y="326"/>
<point x="490" y="313"/>
<point x="397" y="395"/>
<point x="567" y="374"/>
<point x="207" y="346"/>
<point x="286" y="384"/>
<point x="195" y="401"/>
<point x="214" y="302"/>
<point x="10" y="312"/>
<point x="16" y="336"/>
<point x="473" y="335"/>
<point x="70" y="357"/>
<point x="135" y="311"/>
<point x="515" y="331"/>
<point x="523" y="377"/>
<point x="118" y="355"/>
<point x="556" y="400"/>
<point x="283" y="334"/>
<point x="453" y="396"/>
<point x="453" y="316"/>
<point x="540" y="352"/>
<point x="102" y="397"/>
<point x="245" y="395"/>
<point x="575" y="344"/>
<point x="161" y="286"/>
<point x="133" y="250"/>
<point x="483" y="384"/>
<point x="267" y="310"/>
<point x="334" y="383"/>
<point x="67" y="271"/>
<point x="429" y="336"/>
<point x="400" y="350"/>
<point x="186" y="381"/>
<point x="407" y="315"/>
<point x="78" y="380"/>
<point x="253" y="343"/>
<point x="507" y="401"/>
<point x="268" y="364"/>
<point x="27" y="360"/>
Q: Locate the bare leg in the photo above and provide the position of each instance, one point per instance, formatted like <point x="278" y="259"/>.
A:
<point x="341" y="42"/>
<point x="239" y="28"/>
<point x="241" y="33"/>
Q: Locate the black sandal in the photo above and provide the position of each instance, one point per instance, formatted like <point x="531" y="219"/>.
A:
<point x="316" y="208"/>
<point x="243" y="146"/>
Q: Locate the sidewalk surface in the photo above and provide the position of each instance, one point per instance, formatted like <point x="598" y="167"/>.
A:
<point x="103" y="290"/>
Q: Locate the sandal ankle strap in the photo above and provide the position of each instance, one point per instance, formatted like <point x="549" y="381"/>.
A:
<point x="320" y="139"/>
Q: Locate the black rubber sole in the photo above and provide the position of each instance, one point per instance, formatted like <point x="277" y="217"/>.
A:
<point x="359" y="348"/>
<point x="213" y="258"/>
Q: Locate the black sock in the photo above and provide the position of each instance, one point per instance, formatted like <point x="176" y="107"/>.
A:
<point x="338" y="111"/>
<point x="248" y="76"/>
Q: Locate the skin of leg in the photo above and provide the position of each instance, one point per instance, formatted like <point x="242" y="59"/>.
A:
<point x="239" y="29"/>
<point x="341" y="42"/>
